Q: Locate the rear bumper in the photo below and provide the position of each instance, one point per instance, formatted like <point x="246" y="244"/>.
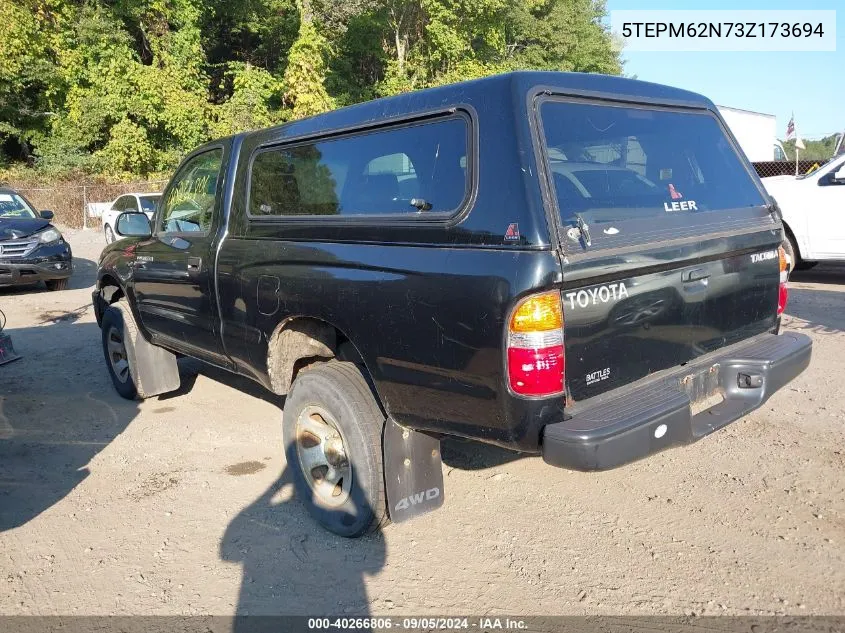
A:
<point x="658" y="412"/>
<point x="53" y="261"/>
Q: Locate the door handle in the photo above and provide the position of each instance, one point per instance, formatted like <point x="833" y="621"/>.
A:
<point x="696" y="274"/>
<point x="194" y="264"/>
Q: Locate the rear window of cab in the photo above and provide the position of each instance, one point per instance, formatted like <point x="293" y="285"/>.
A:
<point x="616" y="163"/>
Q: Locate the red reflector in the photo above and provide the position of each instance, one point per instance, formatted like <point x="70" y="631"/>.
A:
<point x="536" y="372"/>
<point x="783" y="296"/>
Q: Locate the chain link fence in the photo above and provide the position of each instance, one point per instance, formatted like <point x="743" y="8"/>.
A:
<point x="80" y="205"/>
<point x="769" y="168"/>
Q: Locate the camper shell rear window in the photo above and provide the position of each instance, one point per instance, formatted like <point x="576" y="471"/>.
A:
<point x="612" y="164"/>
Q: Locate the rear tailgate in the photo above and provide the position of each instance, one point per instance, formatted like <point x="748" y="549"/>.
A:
<point x="670" y="251"/>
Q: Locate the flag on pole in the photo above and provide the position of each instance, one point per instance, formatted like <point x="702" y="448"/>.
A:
<point x="790" y="128"/>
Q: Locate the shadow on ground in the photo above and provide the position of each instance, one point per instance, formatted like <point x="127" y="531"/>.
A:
<point x="58" y="410"/>
<point x="290" y="565"/>
<point x="821" y="305"/>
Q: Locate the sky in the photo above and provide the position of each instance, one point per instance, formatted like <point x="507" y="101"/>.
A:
<point x="810" y="84"/>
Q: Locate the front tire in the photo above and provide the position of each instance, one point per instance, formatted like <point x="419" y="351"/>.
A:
<point x="332" y="429"/>
<point x="109" y="234"/>
<point x="118" y="333"/>
<point x="56" y="284"/>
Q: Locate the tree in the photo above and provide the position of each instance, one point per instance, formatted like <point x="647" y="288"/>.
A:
<point x="305" y="76"/>
<point x="820" y="150"/>
<point x="129" y="86"/>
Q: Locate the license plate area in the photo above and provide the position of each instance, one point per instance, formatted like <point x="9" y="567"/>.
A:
<point x="703" y="388"/>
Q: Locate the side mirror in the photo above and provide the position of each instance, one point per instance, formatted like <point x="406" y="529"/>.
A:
<point x="47" y="215"/>
<point x="133" y="224"/>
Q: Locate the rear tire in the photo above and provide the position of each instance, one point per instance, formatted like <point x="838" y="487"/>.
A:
<point x="332" y="429"/>
<point x="118" y="333"/>
<point x="56" y="284"/>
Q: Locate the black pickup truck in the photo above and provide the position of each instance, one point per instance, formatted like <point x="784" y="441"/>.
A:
<point x="578" y="266"/>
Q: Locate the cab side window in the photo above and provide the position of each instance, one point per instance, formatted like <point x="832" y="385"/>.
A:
<point x="188" y="205"/>
<point x="401" y="171"/>
<point x="130" y="204"/>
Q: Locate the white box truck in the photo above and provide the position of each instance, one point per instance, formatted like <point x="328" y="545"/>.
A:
<point x="756" y="133"/>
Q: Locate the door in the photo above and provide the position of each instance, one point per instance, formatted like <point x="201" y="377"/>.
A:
<point x="826" y="213"/>
<point x="670" y="250"/>
<point x="174" y="271"/>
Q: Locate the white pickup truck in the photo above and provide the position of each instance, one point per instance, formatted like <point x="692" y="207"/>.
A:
<point x="813" y="208"/>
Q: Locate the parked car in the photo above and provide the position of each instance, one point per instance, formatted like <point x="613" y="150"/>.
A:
<point x="145" y="202"/>
<point x="31" y="249"/>
<point x="812" y="206"/>
<point x="578" y="266"/>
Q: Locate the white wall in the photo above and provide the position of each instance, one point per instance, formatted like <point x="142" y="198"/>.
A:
<point x="755" y="131"/>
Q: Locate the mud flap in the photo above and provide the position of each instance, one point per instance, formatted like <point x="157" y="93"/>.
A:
<point x="413" y="472"/>
<point x="157" y="371"/>
<point x="7" y="350"/>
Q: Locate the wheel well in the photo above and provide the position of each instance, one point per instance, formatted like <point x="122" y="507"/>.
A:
<point x="301" y="341"/>
<point x="110" y="290"/>
<point x="791" y="236"/>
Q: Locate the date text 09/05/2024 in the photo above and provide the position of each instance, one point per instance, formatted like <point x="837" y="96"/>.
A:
<point x="425" y="623"/>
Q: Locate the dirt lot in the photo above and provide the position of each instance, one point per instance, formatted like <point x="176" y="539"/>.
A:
<point x="182" y="504"/>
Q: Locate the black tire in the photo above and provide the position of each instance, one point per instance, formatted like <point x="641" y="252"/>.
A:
<point x="119" y="330"/>
<point x="343" y="399"/>
<point x="57" y="284"/>
<point x="109" y="234"/>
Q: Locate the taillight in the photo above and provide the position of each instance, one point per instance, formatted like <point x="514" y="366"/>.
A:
<point x="535" y="346"/>
<point x="783" y="291"/>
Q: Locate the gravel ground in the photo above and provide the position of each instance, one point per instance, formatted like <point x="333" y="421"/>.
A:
<point x="182" y="504"/>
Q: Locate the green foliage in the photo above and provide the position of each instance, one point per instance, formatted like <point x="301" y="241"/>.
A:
<point x="305" y="90"/>
<point x="820" y="150"/>
<point x="255" y="102"/>
<point x="127" y="87"/>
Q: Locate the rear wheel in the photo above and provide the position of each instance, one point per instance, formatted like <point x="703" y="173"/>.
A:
<point x="56" y="284"/>
<point x="332" y="429"/>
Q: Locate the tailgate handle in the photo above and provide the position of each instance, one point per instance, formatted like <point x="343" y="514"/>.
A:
<point x="695" y="274"/>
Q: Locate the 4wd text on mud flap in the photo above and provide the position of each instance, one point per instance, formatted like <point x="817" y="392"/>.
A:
<point x="417" y="498"/>
<point x="600" y="294"/>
